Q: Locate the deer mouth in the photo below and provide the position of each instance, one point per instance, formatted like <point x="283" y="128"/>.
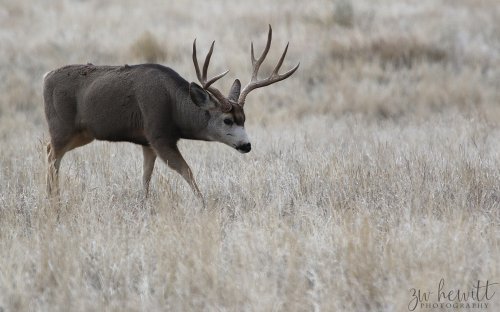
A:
<point x="244" y="148"/>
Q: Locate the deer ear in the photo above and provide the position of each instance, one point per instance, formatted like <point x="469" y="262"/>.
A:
<point x="235" y="91"/>
<point x="199" y="96"/>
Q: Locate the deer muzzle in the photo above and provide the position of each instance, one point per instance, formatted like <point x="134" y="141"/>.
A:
<point x="244" y="148"/>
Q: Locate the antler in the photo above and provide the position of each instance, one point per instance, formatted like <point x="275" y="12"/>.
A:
<point x="273" y="78"/>
<point x="206" y="84"/>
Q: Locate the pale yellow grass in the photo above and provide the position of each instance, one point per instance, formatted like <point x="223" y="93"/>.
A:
<point x="375" y="169"/>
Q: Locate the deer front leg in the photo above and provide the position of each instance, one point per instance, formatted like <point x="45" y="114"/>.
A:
<point x="148" y="165"/>
<point x="172" y="157"/>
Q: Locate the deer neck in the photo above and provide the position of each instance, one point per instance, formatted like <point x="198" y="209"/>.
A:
<point x="189" y="118"/>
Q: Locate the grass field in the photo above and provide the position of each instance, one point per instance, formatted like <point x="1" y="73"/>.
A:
<point x="375" y="169"/>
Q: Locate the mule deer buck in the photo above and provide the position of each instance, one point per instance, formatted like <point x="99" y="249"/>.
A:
<point x="146" y="104"/>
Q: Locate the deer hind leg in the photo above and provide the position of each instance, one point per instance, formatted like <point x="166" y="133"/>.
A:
<point x="54" y="157"/>
<point x="55" y="153"/>
<point x="53" y="162"/>
<point x="148" y="165"/>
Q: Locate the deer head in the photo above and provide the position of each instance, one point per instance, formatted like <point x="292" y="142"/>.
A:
<point x="227" y="117"/>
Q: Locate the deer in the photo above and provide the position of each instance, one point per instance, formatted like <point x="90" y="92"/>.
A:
<point x="150" y="105"/>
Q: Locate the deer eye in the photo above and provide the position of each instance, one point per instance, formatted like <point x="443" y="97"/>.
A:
<point x="228" y="122"/>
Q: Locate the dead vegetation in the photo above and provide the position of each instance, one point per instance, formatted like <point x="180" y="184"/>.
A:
<point x="374" y="170"/>
<point x="396" y="52"/>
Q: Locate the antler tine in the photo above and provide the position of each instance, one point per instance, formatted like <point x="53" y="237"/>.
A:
<point x="214" y="79"/>
<point x="203" y="77"/>
<point x="273" y="78"/>
<point x="288" y="73"/>
<point x="275" y="74"/>
<point x="195" y="61"/>
<point x="256" y="63"/>
<point x="207" y="61"/>
<point x="252" y="54"/>
<point x="280" y="62"/>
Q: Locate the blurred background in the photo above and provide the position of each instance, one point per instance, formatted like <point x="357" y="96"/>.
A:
<point x="383" y="59"/>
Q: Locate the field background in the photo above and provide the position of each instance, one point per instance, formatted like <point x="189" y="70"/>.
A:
<point x="375" y="168"/>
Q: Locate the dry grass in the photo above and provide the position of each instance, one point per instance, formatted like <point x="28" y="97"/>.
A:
<point x="375" y="169"/>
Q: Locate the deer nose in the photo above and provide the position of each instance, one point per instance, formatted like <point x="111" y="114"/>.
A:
<point x="245" y="148"/>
